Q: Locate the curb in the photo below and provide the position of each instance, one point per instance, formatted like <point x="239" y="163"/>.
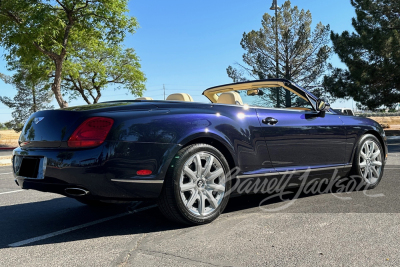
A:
<point x="7" y="148"/>
<point x="5" y="162"/>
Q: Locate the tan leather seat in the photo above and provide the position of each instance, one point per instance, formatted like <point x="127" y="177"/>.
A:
<point x="144" y="98"/>
<point x="180" y="97"/>
<point x="230" y="98"/>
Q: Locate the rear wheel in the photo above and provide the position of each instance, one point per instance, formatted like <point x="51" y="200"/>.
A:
<point x="195" y="188"/>
<point x="368" y="161"/>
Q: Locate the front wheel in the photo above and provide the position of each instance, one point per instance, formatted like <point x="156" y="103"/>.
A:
<point x="196" y="185"/>
<point x="368" y="161"/>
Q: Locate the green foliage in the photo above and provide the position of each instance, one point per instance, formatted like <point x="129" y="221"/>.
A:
<point x="303" y="52"/>
<point x="371" y="54"/>
<point x="29" y="99"/>
<point x="45" y="34"/>
<point x="3" y="127"/>
<point x="97" y="64"/>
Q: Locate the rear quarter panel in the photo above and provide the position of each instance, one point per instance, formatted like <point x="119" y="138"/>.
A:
<point x="172" y="126"/>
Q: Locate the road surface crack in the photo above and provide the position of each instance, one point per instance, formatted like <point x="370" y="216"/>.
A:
<point x="180" y="257"/>
<point x="130" y="252"/>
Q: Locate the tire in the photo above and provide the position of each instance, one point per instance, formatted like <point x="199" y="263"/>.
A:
<point x="192" y="195"/>
<point x="364" y="160"/>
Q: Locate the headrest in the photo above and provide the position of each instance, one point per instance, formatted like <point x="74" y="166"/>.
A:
<point x="144" y="98"/>
<point x="231" y="98"/>
<point x="180" y="97"/>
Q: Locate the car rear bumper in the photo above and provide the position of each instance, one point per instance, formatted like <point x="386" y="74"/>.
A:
<point x="107" y="172"/>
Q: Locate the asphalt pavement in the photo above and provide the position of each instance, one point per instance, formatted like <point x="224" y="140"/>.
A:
<point x="352" y="228"/>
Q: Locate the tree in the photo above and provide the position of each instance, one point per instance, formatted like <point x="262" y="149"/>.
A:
<point x="29" y="99"/>
<point x="303" y="53"/>
<point x="371" y="54"/>
<point x="97" y="64"/>
<point x="41" y="31"/>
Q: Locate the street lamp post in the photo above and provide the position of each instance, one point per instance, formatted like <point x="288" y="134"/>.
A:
<point x="276" y="7"/>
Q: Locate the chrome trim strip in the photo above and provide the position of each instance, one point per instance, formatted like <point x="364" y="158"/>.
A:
<point x="138" y="181"/>
<point x="290" y="172"/>
<point x="257" y="175"/>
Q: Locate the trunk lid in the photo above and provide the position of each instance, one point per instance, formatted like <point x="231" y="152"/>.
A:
<point x="50" y="128"/>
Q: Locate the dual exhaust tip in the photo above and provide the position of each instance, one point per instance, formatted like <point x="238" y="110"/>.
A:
<point x="76" y="192"/>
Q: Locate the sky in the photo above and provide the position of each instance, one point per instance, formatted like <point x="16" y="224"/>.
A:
<point x="187" y="45"/>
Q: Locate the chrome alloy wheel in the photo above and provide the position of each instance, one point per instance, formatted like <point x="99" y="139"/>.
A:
<point x="202" y="183"/>
<point x="370" y="162"/>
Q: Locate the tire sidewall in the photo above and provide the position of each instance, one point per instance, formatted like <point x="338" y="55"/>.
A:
<point x="178" y="168"/>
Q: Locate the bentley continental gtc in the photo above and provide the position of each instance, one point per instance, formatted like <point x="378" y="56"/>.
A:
<point x="189" y="155"/>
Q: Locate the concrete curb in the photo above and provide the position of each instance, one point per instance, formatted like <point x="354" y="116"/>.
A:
<point x="5" y="162"/>
<point x="7" y="148"/>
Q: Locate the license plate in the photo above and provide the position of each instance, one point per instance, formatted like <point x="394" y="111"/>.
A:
<point x="30" y="167"/>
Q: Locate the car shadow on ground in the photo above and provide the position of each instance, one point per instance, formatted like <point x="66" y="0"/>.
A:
<point x="24" y="221"/>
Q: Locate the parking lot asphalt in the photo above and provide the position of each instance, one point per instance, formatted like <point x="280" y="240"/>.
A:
<point x="355" y="228"/>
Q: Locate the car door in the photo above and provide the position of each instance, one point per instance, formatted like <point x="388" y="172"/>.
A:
<point x="300" y="139"/>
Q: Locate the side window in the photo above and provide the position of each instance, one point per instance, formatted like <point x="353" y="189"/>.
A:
<point x="275" y="97"/>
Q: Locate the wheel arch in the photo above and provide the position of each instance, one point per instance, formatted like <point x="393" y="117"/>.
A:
<point x="218" y="145"/>
<point x="374" y="133"/>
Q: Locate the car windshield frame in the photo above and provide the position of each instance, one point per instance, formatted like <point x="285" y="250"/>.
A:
<point x="211" y="93"/>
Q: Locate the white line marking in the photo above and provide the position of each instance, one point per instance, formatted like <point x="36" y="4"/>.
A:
<point x="5" y="173"/>
<point x="392" y="168"/>
<point x="35" y="239"/>
<point x="11" y="192"/>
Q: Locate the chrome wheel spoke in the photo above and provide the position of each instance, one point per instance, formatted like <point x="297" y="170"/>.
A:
<point x="202" y="203"/>
<point x="192" y="199"/>
<point x="365" y="174"/>
<point x="188" y="186"/>
<point x="189" y="173"/>
<point x="208" y="165"/>
<point x="376" y="163"/>
<point x="216" y="187"/>
<point x="374" y="171"/>
<point x="213" y="202"/>
<point x="376" y="154"/>
<point x="215" y="174"/>
<point x="371" y="148"/>
<point x="363" y="164"/>
<point x="197" y="162"/>
<point x="366" y="147"/>
<point x="362" y="154"/>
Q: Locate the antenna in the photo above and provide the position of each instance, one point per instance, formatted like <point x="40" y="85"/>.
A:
<point x="164" y="90"/>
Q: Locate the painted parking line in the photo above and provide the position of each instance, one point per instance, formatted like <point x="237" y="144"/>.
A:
<point x="46" y="236"/>
<point x="5" y="173"/>
<point x="11" y="192"/>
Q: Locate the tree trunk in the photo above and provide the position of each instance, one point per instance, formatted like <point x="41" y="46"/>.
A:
<point x="34" y="98"/>
<point x="56" y="86"/>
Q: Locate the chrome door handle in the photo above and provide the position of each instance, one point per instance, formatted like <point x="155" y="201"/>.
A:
<point x="270" y="121"/>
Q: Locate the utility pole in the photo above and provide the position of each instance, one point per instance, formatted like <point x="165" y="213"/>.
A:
<point x="164" y="90"/>
<point x="275" y="7"/>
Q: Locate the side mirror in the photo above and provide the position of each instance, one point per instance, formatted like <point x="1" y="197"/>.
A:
<point x="322" y="105"/>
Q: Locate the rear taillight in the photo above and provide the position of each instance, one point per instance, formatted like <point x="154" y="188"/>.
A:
<point x="92" y="132"/>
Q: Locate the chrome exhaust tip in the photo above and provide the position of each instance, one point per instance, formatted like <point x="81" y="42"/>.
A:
<point x="76" y="192"/>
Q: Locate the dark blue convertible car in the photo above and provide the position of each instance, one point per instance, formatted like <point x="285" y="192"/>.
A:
<point x="182" y="152"/>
